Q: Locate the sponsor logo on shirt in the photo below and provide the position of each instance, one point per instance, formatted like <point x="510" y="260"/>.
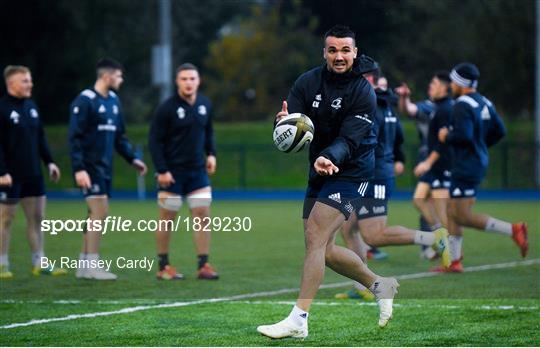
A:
<point x="317" y="101"/>
<point x="202" y="110"/>
<point x="181" y="112"/>
<point x="109" y="127"/>
<point x="336" y="103"/>
<point x="14" y="116"/>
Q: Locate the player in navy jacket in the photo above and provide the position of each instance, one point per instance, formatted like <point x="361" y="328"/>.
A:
<point x="22" y="149"/>
<point x="341" y="104"/>
<point x="96" y="129"/>
<point x="370" y="218"/>
<point x="182" y="145"/>
<point x="474" y="126"/>
<point x="431" y="194"/>
<point x="421" y="112"/>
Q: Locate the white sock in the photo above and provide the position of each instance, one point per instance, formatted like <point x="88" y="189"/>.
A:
<point x="4" y="261"/>
<point x="82" y="256"/>
<point x="92" y="257"/>
<point x="498" y="226"/>
<point x="436" y="226"/>
<point x="455" y="247"/>
<point x="424" y="238"/>
<point x="298" y="316"/>
<point x="36" y="258"/>
<point x="359" y="286"/>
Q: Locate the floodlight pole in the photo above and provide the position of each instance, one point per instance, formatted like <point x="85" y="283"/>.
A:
<point x="537" y="95"/>
<point x="166" y="44"/>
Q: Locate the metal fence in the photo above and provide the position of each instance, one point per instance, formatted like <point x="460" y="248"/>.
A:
<point x="262" y="166"/>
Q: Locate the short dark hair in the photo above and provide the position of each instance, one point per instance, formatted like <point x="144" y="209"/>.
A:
<point x="340" y="31"/>
<point x="443" y="76"/>
<point x="186" y="66"/>
<point x="375" y="73"/>
<point x="107" y="64"/>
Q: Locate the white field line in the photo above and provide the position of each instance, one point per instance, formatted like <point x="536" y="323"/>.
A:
<point x="252" y="295"/>
<point x="374" y="304"/>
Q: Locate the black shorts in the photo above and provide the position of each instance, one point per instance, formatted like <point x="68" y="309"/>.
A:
<point x="28" y="187"/>
<point x="341" y="195"/>
<point x="436" y="180"/>
<point x="463" y="189"/>
<point x="375" y="203"/>
<point x="188" y="181"/>
<point x="100" y="186"/>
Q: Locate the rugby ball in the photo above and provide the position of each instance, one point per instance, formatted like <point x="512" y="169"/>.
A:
<point x="293" y="132"/>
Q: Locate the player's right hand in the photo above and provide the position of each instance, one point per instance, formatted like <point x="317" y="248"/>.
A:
<point x="165" y="180"/>
<point x="83" y="179"/>
<point x="403" y="90"/>
<point x="323" y="166"/>
<point x="284" y="112"/>
<point x="5" y="180"/>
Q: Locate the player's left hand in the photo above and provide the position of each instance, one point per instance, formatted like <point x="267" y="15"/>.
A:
<point x="421" y="168"/>
<point x="323" y="166"/>
<point x="399" y="168"/>
<point x="54" y="172"/>
<point x="139" y="166"/>
<point x="211" y="164"/>
<point x="443" y="133"/>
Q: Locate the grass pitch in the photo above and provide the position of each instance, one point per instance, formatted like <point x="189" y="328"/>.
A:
<point x="498" y="306"/>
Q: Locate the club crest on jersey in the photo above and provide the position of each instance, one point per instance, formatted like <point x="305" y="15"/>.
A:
<point x="336" y="103"/>
<point x="15" y="116"/>
<point x="33" y="113"/>
<point x="317" y="101"/>
<point x="181" y="113"/>
<point x="115" y="109"/>
<point x="76" y="110"/>
<point x="201" y="110"/>
<point x="102" y="109"/>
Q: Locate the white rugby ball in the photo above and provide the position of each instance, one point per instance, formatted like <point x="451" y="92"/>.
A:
<point x="293" y="132"/>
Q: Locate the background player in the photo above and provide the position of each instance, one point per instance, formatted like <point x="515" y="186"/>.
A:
<point x="96" y="128"/>
<point x="341" y="167"/>
<point x="421" y="112"/>
<point x="182" y="146"/>
<point x="371" y="216"/>
<point x="22" y="146"/>
<point x="475" y="126"/>
<point x="431" y="194"/>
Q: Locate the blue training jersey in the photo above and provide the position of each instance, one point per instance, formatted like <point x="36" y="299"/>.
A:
<point x="389" y="137"/>
<point x="181" y="135"/>
<point x="22" y="139"/>
<point x="96" y="128"/>
<point x="475" y="125"/>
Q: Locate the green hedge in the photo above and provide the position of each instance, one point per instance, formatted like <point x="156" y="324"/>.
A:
<point x="248" y="159"/>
